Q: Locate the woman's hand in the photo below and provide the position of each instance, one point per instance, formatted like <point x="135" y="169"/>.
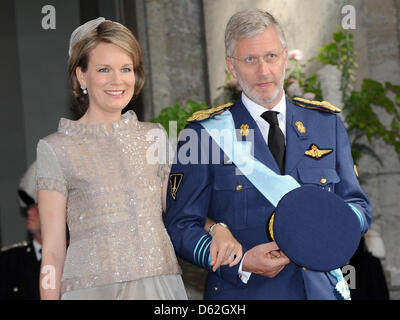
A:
<point x="224" y="249"/>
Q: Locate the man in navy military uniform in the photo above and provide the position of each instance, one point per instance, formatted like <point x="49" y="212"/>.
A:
<point x="20" y="263"/>
<point x="305" y="140"/>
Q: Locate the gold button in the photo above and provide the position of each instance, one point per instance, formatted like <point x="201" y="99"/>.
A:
<point x="15" y="289"/>
<point x="304" y="268"/>
<point x="239" y="187"/>
<point x="323" y="180"/>
<point x="215" y="288"/>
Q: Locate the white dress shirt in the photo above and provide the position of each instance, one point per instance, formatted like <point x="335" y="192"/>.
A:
<point x="256" y="111"/>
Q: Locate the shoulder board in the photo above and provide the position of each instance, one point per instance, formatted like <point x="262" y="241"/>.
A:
<point x="208" y="113"/>
<point x="316" y="105"/>
<point x="15" y="245"/>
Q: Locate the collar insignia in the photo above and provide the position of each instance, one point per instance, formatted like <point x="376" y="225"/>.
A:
<point x="317" y="153"/>
<point x="300" y="127"/>
<point x="244" y="130"/>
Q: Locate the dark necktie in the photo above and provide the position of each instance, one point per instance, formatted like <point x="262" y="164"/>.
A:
<point x="276" y="139"/>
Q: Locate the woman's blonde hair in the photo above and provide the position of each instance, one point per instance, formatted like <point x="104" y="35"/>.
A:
<point x="108" y="32"/>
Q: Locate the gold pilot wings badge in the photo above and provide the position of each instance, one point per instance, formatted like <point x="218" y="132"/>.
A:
<point x="175" y="180"/>
<point x="315" y="152"/>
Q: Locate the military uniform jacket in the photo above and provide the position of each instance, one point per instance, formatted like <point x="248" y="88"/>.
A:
<point x="19" y="273"/>
<point x="198" y="190"/>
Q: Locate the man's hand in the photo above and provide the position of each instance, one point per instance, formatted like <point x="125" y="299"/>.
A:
<point x="265" y="259"/>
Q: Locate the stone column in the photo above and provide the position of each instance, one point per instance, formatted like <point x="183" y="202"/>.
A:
<point x="176" y="44"/>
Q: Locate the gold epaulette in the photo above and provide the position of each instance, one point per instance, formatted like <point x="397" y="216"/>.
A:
<point x="208" y="113"/>
<point x="15" y="245"/>
<point x="317" y="105"/>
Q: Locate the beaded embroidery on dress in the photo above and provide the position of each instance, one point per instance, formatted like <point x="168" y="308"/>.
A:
<point x="115" y="221"/>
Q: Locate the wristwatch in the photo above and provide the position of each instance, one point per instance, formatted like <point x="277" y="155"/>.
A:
<point x="212" y="227"/>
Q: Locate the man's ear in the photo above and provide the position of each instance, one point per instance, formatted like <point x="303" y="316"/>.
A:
<point x="230" y="66"/>
<point x="286" y="55"/>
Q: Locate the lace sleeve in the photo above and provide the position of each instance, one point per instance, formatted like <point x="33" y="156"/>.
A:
<point x="49" y="173"/>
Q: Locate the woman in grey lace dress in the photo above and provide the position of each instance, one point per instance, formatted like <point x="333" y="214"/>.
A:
<point x="105" y="175"/>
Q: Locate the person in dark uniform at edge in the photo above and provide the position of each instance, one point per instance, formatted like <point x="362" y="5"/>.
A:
<point x="370" y="281"/>
<point x="20" y="262"/>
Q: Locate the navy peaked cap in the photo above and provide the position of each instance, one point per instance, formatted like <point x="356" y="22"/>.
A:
<point x="315" y="228"/>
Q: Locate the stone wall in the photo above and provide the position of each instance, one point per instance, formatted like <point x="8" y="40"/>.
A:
<point x="176" y="52"/>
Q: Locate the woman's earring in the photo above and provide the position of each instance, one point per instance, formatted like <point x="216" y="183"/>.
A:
<point x="84" y="90"/>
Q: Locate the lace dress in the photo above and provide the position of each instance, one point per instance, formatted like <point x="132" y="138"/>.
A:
<point x="113" y="185"/>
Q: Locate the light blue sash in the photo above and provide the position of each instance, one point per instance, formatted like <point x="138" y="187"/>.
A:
<point x="273" y="186"/>
<point x="222" y="130"/>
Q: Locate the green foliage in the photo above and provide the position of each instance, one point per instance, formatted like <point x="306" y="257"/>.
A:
<point x="363" y="121"/>
<point x="311" y="84"/>
<point x="359" y="106"/>
<point x="295" y="72"/>
<point x="179" y="114"/>
<point x="341" y="54"/>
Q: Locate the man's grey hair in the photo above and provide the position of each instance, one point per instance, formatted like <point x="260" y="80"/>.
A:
<point x="247" y="24"/>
